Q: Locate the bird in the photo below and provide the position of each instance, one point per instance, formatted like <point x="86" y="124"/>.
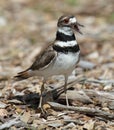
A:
<point x="59" y="58"/>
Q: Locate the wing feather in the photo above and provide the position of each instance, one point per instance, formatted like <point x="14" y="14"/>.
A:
<point x="44" y="59"/>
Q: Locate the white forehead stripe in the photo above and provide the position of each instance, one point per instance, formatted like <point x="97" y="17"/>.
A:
<point x="72" y="20"/>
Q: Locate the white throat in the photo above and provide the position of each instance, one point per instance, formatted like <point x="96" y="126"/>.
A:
<point x="65" y="30"/>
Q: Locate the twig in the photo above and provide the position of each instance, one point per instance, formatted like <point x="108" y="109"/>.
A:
<point x="83" y="110"/>
<point x="10" y="123"/>
<point x="100" y="81"/>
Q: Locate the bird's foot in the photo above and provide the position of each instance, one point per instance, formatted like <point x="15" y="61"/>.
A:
<point x="42" y="112"/>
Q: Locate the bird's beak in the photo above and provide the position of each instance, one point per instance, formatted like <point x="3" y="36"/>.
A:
<point x="76" y="25"/>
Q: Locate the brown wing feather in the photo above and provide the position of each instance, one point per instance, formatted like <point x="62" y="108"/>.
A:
<point x="22" y="75"/>
<point x="41" y="61"/>
<point x="44" y="59"/>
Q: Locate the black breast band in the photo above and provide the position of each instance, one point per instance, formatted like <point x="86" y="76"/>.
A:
<point x="67" y="49"/>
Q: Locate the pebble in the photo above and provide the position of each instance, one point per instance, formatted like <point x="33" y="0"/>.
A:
<point x="70" y="125"/>
<point x="55" y="125"/>
<point x="2" y="21"/>
<point x="93" y="55"/>
<point x="108" y="87"/>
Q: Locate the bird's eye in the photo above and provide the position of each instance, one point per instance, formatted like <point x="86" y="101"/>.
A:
<point x="66" y="20"/>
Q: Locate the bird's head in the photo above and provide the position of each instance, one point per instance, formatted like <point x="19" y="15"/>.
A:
<point x="69" y="21"/>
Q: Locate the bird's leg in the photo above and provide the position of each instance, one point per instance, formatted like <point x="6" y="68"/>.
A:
<point x="65" y="89"/>
<point x="41" y="96"/>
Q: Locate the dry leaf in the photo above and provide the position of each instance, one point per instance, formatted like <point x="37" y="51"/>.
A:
<point x="25" y="117"/>
<point x="3" y="112"/>
<point x="3" y="105"/>
<point x="89" y="125"/>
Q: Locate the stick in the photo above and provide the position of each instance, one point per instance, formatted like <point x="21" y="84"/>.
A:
<point x="10" y="123"/>
<point x="83" y="110"/>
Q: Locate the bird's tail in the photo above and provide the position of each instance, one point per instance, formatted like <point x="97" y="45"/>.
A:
<point x="22" y="75"/>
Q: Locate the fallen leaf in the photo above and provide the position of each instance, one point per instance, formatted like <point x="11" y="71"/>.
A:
<point x="89" y="125"/>
<point x="3" y="112"/>
<point x="3" y="105"/>
<point x="25" y="117"/>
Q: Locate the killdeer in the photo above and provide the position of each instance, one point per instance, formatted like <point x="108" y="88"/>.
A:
<point x="60" y="58"/>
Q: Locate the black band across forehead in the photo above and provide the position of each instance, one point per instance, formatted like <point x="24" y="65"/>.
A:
<point x="67" y="49"/>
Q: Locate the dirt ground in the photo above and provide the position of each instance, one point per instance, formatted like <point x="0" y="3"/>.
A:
<point x="27" y="26"/>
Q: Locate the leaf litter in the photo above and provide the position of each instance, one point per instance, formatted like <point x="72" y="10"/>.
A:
<point x="28" y="25"/>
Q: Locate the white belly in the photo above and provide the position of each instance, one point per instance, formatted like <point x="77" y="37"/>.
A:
<point x="63" y="64"/>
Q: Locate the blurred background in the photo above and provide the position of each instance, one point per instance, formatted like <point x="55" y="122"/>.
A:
<point x="28" y="25"/>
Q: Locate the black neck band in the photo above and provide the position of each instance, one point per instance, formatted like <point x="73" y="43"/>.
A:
<point x="63" y="37"/>
<point x="72" y="49"/>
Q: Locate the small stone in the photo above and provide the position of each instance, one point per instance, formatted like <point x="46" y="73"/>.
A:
<point x="70" y="125"/>
<point x="93" y="55"/>
<point x="105" y="109"/>
<point x="2" y="21"/>
<point x="86" y="64"/>
<point x="55" y="124"/>
<point x="108" y="87"/>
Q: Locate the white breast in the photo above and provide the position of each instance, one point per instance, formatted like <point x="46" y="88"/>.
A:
<point x="65" y="63"/>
